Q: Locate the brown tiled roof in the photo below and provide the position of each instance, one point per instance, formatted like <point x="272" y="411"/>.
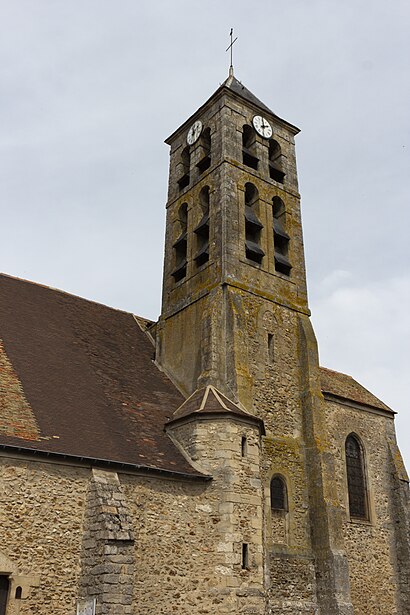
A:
<point x="78" y="378"/>
<point x="344" y="386"/>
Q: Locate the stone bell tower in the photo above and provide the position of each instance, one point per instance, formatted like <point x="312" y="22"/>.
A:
<point x="235" y="317"/>
<point x="233" y="234"/>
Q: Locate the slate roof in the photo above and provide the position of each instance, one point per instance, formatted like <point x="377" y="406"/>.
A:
<point x="83" y="378"/>
<point x="235" y="86"/>
<point x="78" y="378"/>
<point x="238" y="88"/>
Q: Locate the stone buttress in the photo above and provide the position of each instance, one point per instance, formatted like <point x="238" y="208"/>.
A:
<point x="108" y="555"/>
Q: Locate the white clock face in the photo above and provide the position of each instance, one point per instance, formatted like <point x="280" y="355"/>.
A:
<point x="262" y="126"/>
<point x="194" y="132"/>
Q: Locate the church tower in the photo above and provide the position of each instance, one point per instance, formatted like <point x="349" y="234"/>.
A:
<point x="235" y="317"/>
<point x="233" y="237"/>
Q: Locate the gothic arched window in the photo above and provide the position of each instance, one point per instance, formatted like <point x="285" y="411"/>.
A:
<point x="275" y="162"/>
<point x="202" y="229"/>
<point x="280" y="237"/>
<point x="356" y="480"/>
<point x="249" y="147"/>
<point x="253" y="226"/>
<point x="278" y="494"/>
<point x="180" y="245"/>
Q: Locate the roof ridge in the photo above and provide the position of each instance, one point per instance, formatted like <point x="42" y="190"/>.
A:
<point x="204" y="399"/>
<point x="219" y="398"/>
<point x="335" y="371"/>
<point x="69" y="294"/>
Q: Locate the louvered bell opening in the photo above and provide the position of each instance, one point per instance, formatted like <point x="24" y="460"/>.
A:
<point x="204" y="164"/>
<point x="203" y="225"/>
<point x="253" y="251"/>
<point x="252" y="218"/>
<point x="279" y="230"/>
<point x="283" y="260"/>
<point x="202" y="256"/>
<point x="276" y="174"/>
<point x="249" y="158"/>
<point x="180" y="271"/>
<point x="184" y="181"/>
<point x="181" y="240"/>
<point x="282" y="265"/>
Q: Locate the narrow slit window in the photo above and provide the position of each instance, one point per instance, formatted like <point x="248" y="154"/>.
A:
<point x="18" y="593"/>
<point x="271" y="349"/>
<point x="244" y="446"/>
<point x="356" y="482"/>
<point x="245" y="556"/>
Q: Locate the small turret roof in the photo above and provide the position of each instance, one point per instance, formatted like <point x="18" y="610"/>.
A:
<point x="209" y="401"/>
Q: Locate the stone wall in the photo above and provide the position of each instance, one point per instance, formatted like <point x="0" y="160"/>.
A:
<point x="234" y="503"/>
<point x="41" y="528"/>
<point x="138" y="544"/>
<point x="187" y="551"/>
<point x="370" y="545"/>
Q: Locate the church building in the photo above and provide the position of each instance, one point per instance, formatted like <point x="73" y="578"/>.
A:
<point x="204" y="464"/>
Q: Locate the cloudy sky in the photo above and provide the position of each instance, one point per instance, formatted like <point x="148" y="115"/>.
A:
<point x="90" y="89"/>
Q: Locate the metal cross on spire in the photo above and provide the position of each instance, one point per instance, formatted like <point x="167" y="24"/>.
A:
<point x="231" y="48"/>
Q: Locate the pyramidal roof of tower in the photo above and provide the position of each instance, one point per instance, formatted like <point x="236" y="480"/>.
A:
<point x="237" y="88"/>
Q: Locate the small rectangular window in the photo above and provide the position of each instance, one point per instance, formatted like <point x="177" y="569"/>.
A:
<point x="271" y="349"/>
<point x="245" y="556"/>
<point x="244" y="446"/>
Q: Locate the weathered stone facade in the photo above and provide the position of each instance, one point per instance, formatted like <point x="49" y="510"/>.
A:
<point x="235" y="338"/>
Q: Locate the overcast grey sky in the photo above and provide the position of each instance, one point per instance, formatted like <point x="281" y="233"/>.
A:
<point x="89" y="91"/>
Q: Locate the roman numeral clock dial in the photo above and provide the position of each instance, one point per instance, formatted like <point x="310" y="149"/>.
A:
<point x="262" y="126"/>
<point x="194" y="132"/>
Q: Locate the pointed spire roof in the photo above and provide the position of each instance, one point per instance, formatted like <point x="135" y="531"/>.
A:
<point x="209" y="401"/>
